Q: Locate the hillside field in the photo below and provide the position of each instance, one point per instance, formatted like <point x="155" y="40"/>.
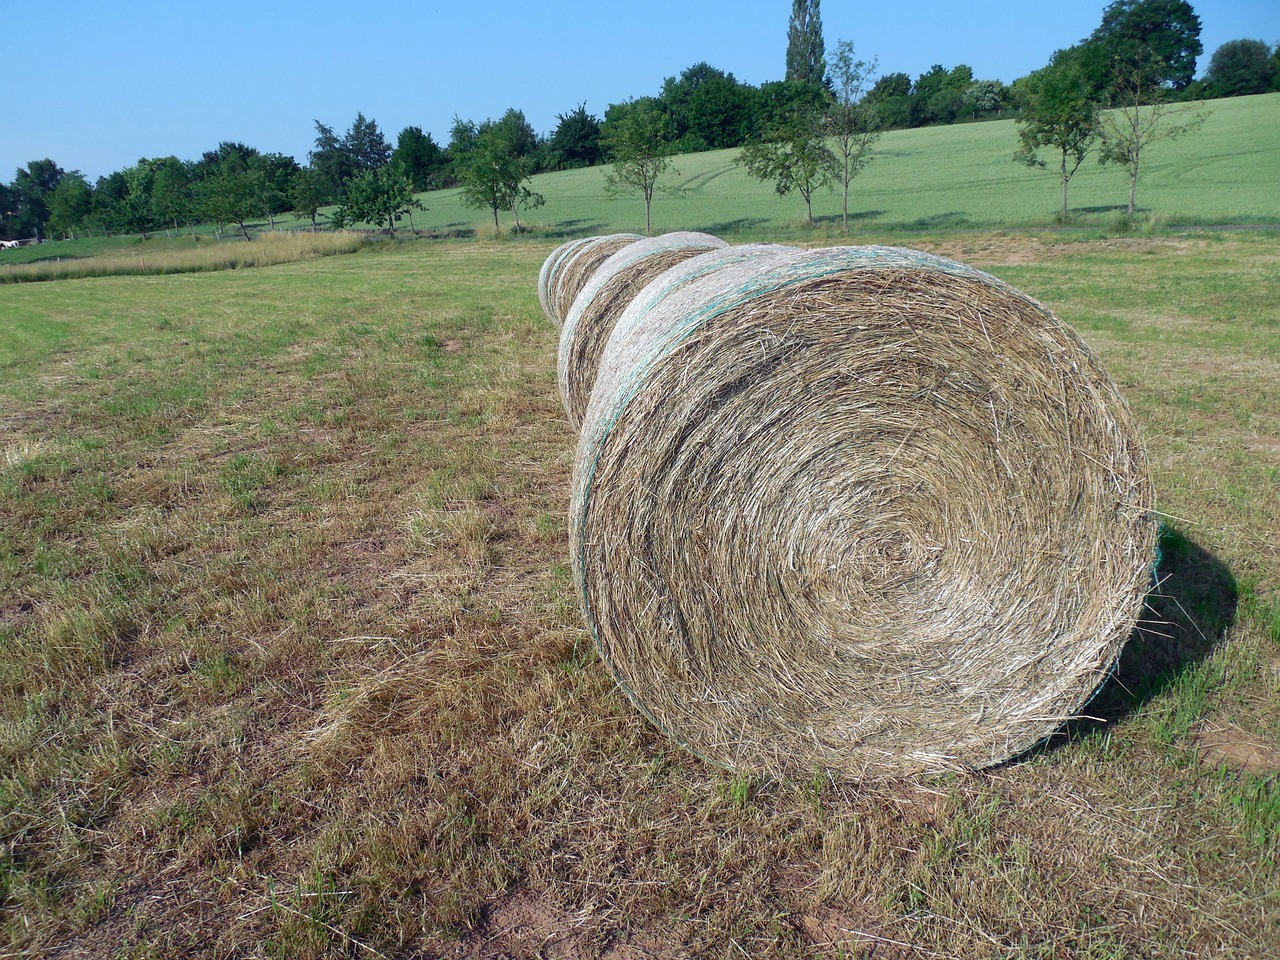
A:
<point x="291" y="664"/>
<point x="960" y="176"/>
<point x="952" y="178"/>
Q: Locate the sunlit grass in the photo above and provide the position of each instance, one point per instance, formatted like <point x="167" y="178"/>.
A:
<point x="287" y="631"/>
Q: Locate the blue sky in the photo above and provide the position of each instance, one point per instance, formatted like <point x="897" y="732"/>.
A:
<point x="96" y="85"/>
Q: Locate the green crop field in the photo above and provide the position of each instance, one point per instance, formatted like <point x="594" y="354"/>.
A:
<point x="962" y="176"/>
<point x="291" y="663"/>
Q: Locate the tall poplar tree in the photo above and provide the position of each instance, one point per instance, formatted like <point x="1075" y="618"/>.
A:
<point x="806" y="55"/>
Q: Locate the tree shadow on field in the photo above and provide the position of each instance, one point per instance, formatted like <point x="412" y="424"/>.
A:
<point x="1113" y="208"/>
<point x="575" y="228"/>
<point x="855" y="216"/>
<point x="733" y="226"/>
<point x="1188" y="612"/>
<point x="954" y="218"/>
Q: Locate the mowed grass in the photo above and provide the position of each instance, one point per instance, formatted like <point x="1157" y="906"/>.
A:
<point x="291" y="664"/>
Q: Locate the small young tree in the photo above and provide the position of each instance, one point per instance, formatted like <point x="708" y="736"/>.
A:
<point x="377" y="195"/>
<point x="233" y="194"/>
<point x="1140" y="116"/>
<point x="1057" y="113"/>
<point x="171" y="193"/>
<point x="634" y="137"/>
<point x="308" y="191"/>
<point x="273" y="176"/>
<point x="854" y="123"/>
<point x="794" y="155"/>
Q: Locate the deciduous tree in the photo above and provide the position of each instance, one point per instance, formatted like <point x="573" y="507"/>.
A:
<point x="794" y="155"/>
<point x="234" y="193"/>
<point x="707" y="109"/>
<point x="171" y="195"/>
<point x="634" y="136"/>
<point x="273" y="176"/>
<point x="33" y="185"/>
<point x="308" y="191"/>
<point x="1141" y="116"/>
<point x="1161" y="37"/>
<point x="1239" y="68"/>
<point x="70" y="204"/>
<point x="377" y="195"/>
<point x="1057" y="113"/>
<point x="495" y="169"/>
<point x="854" y="123"/>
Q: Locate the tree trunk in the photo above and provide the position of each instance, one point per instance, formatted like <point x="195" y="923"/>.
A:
<point x="1133" y="187"/>
<point x="808" y="208"/>
<point x="844" y="208"/>
<point x="244" y="229"/>
<point x="495" y="216"/>
<point x="648" y="231"/>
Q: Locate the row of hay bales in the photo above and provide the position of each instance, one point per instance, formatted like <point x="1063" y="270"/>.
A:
<point x="860" y="509"/>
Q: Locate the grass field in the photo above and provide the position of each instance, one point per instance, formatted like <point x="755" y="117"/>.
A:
<point x="291" y="664"/>
<point x="958" y="177"/>
<point x="935" y="178"/>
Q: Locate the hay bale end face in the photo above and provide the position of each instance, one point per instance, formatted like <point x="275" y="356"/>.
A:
<point x="860" y="509"/>
<point x="570" y="266"/>
<point x="602" y="300"/>
<point x="547" y="276"/>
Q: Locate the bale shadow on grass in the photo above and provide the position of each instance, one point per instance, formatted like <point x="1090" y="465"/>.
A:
<point x="1188" y="613"/>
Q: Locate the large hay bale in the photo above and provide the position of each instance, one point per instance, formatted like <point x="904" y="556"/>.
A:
<point x="665" y="284"/>
<point x="570" y="266"/>
<point x="547" y="276"/>
<point x="861" y="509"/>
<point x="602" y="300"/>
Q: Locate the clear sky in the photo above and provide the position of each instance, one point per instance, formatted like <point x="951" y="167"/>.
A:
<point x="97" y="84"/>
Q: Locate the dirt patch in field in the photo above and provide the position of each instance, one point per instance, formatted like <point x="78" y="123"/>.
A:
<point x="993" y="251"/>
<point x="1239" y="750"/>
<point x="1265" y="444"/>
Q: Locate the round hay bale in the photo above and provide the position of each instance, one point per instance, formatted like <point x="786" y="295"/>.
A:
<point x="547" y="275"/>
<point x="603" y="298"/>
<point x="861" y="509"/>
<point x="666" y="283"/>
<point x="571" y="265"/>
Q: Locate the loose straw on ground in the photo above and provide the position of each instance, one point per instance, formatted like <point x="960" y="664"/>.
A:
<point x="860" y="509"/>
<point x="601" y="301"/>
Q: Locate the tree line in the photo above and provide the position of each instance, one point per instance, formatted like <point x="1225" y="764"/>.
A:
<point x="811" y="129"/>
